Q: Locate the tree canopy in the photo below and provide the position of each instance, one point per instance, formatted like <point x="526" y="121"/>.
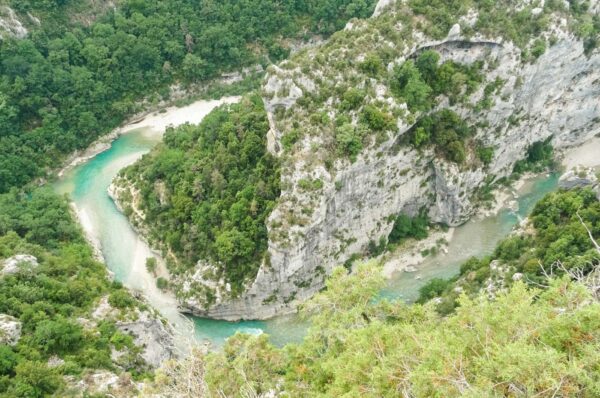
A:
<point x="208" y="190"/>
<point x="67" y="84"/>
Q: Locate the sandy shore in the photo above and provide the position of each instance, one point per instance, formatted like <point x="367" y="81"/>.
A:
<point x="174" y="116"/>
<point x="88" y="230"/>
<point x="586" y="155"/>
<point x="408" y="256"/>
<point x="156" y="124"/>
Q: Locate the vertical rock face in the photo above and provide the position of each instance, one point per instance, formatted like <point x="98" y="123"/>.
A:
<point x="153" y="336"/>
<point x="556" y="97"/>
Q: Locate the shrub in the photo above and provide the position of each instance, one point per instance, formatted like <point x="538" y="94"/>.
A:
<point x="434" y="288"/>
<point x="162" y="283"/>
<point x="406" y="227"/>
<point x="121" y="299"/>
<point x="58" y="336"/>
<point x="485" y="154"/>
<point x="8" y="360"/>
<point x="151" y="265"/>
<point x="352" y="99"/>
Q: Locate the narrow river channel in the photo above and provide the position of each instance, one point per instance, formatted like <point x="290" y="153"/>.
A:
<point x="125" y="253"/>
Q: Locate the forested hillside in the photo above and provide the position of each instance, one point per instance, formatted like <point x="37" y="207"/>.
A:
<point x="51" y="292"/>
<point x="217" y="184"/>
<point x="537" y="337"/>
<point x="68" y="83"/>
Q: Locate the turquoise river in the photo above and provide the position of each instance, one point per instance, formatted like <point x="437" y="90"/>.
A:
<point x="86" y="185"/>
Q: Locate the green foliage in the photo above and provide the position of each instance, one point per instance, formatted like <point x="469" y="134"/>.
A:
<point x="49" y="299"/>
<point x="558" y="235"/>
<point x="376" y="120"/>
<point x="375" y="249"/>
<point x="310" y="184"/>
<point x="538" y="48"/>
<point x="406" y="227"/>
<point x="162" y="283"/>
<point x="446" y="131"/>
<point x="435" y="287"/>
<point x="348" y="139"/>
<point x="408" y="84"/>
<point x="540" y="156"/>
<point x="540" y="341"/>
<point x="494" y="18"/>
<point x="289" y="139"/>
<point x="151" y="265"/>
<point x="65" y="84"/>
<point x="58" y="336"/>
<point x="485" y="154"/>
<point x="352" y="99"/>
<point x="8" y="360"/>
<point x="40" y="217"/>
<point x="34" y="379"/>
<point x="220" y="183"/>
<point x="121" y="299"/>
<point x="419" y="82"/>
<point x="372" y="65"/>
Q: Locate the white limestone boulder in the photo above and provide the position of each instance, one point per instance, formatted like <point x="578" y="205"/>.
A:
<point x="10" y="330"/>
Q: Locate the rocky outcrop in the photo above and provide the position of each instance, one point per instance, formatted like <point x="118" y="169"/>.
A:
<point x="17" y="263"/>
<point x="153" y="336"/>
<point x="578" y="178"/>
<point x="381" y="7"/>
<point x="10" y="24"/>
<point x="104" y="383"/>
<point x="10" y="330"/>
<point x="553" y="98"/>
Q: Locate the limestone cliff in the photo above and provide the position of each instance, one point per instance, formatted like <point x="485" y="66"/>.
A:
<point x="554" y="96"/>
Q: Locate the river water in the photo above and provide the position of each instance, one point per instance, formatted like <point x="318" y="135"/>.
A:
<point x="125" y="254"/>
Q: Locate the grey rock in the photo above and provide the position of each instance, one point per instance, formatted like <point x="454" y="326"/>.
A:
<point x="10" y="330"/>
<point x="155" y="338"/>
<point x="381" y="6"/>
<point x="517" y="276"/>
<point x="55" y="361"/>
<point x="10" y="25"/>
<point x="18" y="262"/>
<point x="577" y="179"/>
<point x="554" y="98"/>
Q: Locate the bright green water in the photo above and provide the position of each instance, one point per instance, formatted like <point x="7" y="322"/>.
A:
<point x="87" y="187"/>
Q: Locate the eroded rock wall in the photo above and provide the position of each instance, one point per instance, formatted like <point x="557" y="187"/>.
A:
<point x="556" y="96"/>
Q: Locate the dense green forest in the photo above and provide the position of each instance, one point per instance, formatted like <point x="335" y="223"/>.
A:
<point x="66" y="83"/>
<point x="207" y="191"/>
<point x="536" y="337"/>
<point x="52" y="298"/>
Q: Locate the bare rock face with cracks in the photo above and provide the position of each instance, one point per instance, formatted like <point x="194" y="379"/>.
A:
<point x="552" y="97"/>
